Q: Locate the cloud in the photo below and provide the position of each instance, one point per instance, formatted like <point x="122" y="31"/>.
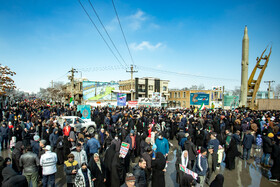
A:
<point x="136" y="20"/>
<point x="145" y="45"/>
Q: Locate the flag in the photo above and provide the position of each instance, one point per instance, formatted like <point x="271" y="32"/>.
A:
<point x="71" y="102"/>
<point x="202" y="107"/>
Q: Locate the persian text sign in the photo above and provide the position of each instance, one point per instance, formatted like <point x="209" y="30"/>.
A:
<point x="199" y="99"/>
<point x="189" y="172"/>
<point x="124" y="149"/>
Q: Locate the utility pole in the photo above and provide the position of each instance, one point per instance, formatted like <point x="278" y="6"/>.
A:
<point x="269" y="82"/>
<point x="131" y="81"/>
<point x="223" y="100"/>
<point x="71" y="78"/>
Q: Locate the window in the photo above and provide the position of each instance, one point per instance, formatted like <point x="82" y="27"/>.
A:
<point x="175" y="95"/>
<point x="184" y="94"/>
<point x="81" y="121"/>
<point x="179" y="95"/>
<point x="164" y="88"/>
<point x="151" y="88"/>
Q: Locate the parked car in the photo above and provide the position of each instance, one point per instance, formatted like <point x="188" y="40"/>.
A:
<point x="87" y="123"/>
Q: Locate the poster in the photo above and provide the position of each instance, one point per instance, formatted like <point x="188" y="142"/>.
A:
<point x="132" y="104"/>
<point x="199" y="99"/>
<point x="121" y="99"/>
<point x="85" y="111"/>
<point x="97" y="91"/>
<point x="156" y="99"/>
<point x="124" y="149"/>
<point x="189" y="172"/>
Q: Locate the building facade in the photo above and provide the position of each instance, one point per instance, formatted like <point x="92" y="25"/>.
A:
<point x="186" y="98"/>
<point x="145" y="87"/>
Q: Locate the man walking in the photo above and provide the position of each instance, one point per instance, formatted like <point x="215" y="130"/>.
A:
<point x="29" y="161"/>
<point x="139" y="173"/>
<point x="48" y="163"/>
<point x="247" y="145"/>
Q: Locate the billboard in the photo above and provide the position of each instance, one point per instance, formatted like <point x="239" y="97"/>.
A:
<point x="121" y="99"/>
<point x="85" y="111"/>
<point x="199" y="99"/>
<point x="156" y="99"/>
<point x="98" y="91"/>
<point x="231" y="101"/>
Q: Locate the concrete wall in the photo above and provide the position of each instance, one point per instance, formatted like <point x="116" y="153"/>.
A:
<point x="268" y="104"/>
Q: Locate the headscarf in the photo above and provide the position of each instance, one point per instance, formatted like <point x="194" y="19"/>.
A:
<point x="218" y="181"/>
<point x="184" y="160"/>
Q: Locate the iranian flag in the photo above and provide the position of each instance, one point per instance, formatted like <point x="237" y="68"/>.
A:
<point x="202" y="107"/>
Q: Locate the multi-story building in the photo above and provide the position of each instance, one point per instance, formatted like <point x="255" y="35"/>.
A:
<point x="186" y="98"/>
<point x="145" y="87"/>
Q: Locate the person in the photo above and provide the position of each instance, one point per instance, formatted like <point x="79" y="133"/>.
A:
<point x="17" y="152"/>
<point x="147" y="156"/>
<point x="129" y="180"/>
<point x="4" y="132"/>
<point x="30" y="162"/>
<point x="97" y="170"/>
<point x="48" y="162"/>
<point x="12" y="179"/>
<point x="212" y="163"/>
<point x="79" y="154"/>
<point x="275" y="169"/>
<point x="109" y="155"/>
<point x="1" y="168"/>
<point x="158" y="169"/>
<point x="72" y="137"/>
<point x="139" y="173"/>
<point x="183" y="140"/>
<point x="53" y="138"/>
<point x="231" y="151"/>
<point x="131" y="140"/>
<point x="66" y="129"/>
<point x="185" y="158"/>
<point x="118" y="170"/>
<point x="35" y="144"/>
<point x="267" y="149"/>
<point x="60" y="148"/>
<point x="83" y="177"/>
<point x="117" y="142"/>
<point x="258" y="143"/>
<point x="218" y="181"/>
<point x="186" y="180"/>
<point x="162" y="145"/>
<point x="70" y="168"/>
<point x="190" y="147"/>
<point x="201" y="165"/>
<point x="247" y="143"/>
<point x="92" y="146"/>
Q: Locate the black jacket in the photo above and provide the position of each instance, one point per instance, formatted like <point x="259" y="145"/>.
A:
<point x="190" y="147"/>
<point x="11" y="179"/>
<point x="29" y="162"/>
<point x="140" y="178"/>
<point x="267" y="145"/>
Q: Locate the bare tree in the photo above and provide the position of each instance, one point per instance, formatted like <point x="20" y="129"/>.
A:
<point x="236" y="91"/>
<point x="201" y="87"/>
<point x="6" y="82"/>
<point x="277" y="90"/>
<point x="193" y="87"/>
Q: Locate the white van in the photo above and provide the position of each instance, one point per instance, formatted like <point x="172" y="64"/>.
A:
<point x="87" y="123"/>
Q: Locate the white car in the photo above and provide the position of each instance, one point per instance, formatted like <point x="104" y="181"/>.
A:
<point x="87" y="123"/>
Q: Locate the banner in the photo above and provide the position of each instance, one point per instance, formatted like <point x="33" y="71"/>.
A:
<point x="199" y="99"/>
<point x="156" y="99"/>
<point x="85" y="111"/>
<point x="97" y="91"/>
<point x="189" y="172"/>
<point x="132" y="104"/>
<point x="121" y="99"/>
<point x="124" y="149"/>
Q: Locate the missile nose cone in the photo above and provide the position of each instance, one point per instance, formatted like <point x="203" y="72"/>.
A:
<point x="245" y="30"/>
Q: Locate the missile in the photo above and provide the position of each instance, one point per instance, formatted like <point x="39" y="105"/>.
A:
<point x="244" y="69"/>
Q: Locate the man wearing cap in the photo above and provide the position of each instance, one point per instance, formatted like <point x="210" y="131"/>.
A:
<point x="129" y="180"/>
<point x="267" y="149"/>
<point x="212" y="162"/>
<point x="48" y="162"/>
<point x="35" y="144"/>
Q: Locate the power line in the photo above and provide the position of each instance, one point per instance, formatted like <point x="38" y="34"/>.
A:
<point x="106" y="31"/>
<point x="100" y="33"/>
<point x="122" y="31"/>
<point x="183" y="74"/>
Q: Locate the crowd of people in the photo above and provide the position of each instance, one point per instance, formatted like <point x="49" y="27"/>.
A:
<point x="38" y="143"/>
